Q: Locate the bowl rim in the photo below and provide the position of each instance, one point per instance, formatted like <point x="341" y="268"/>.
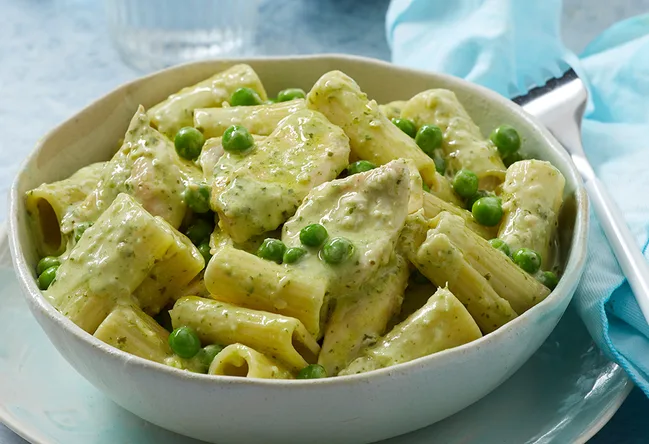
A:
<point x="572" y="272"/>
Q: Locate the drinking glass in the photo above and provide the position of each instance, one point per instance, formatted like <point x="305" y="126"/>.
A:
<point x="154" y="34"/>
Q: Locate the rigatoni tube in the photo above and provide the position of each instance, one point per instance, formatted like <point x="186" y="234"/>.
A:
<point x="182" y="263"/>
<point x="372" y="135"/>
<point x="464" y="144"/>
<point x="131" y="330"/>
<point x="434" y="205"/>
<point x="241" y="278"/>
<point x="361" y="318"/>
<point x="278" y="337"/>
<point x="393" y="109"/>
<point x="177" y="110"/>
<point x="532" y="198"/>
<point x="442" y="323"/>
<point x="441" y="262"/>
<point x="260" y="119"/>
<point x="243" y="361"/>
<point x="520" y="289"/>
<point x="48" y="204"/>
<point x="109" y="262"/>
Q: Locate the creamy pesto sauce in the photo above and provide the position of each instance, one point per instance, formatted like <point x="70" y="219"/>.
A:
<point x="369" y="209"/>
<point x="464" y="145"/>
<point x="113" y="257"/>
<point x="146" y="167"/>
<point x="256" y="191"/>
<point x="441" y="323"/>
<point x="359" y="319"/>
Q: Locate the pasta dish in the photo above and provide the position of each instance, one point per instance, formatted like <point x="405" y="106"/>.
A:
<point x="311" y="235"/>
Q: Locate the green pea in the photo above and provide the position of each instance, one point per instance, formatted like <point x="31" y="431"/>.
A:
<point x="479" y="194"/>
<point x="418" y="278"/>
<point x="407" y="126"/>
<point x="290" y="94"/>
<point x="549" y="279"/>
<point x="47" y="277"/>
<point x="164" y="319"/>
<point x="272" y="250"/>
<point x="425" y="187"/>
<point x="501" y="245"/>
<point x="506" y="139"/>
<point x="429" y="138"/>
<point x="487" y="211"/>
<point x="313" y="235"/>
<point x="204" y="249"/>
<point x="528" y="259"/>
<point x="237" y="139"/>
<point x="189" y="142"/>
<point x="512" y="158"/>
<point x="197" y="197"/>
<point x="440" y="162"/>
<point x="80" y="229"/>
<point x="184" y="342"/>
<point x="207" y="354"/>
<point x="47" y="262"/>
<point x="199" y="231"/>
<point x="465" y="183"/>
<point x="245" y="97"/>
<point x="312" y="371"/>
<point x="360" y="167"/>
<point x="337" y="250"/>
<point x="293" y="255"/>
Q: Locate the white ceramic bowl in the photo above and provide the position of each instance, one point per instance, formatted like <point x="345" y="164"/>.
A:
<point x="359" y="408"/>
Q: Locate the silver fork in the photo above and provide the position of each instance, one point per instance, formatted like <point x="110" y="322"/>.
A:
<point x="560" y="104"/>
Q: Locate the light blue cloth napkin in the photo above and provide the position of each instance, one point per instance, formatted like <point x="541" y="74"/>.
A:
<point x="510" y="45"/>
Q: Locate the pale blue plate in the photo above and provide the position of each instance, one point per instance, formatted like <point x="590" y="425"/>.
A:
<point x="565" y="393"/>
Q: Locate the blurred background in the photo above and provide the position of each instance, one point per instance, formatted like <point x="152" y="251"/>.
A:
<point x="56" y="56"/>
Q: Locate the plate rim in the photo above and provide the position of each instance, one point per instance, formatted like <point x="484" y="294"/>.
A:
<point x="608" y="414"/>
<point x="34" y="435"/>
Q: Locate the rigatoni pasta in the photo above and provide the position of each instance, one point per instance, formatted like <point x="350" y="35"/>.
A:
<point x="442" y="323"/>
<point x="520" y="289"/>
<point x="240" y="360"/>
<point x="532" y="197"/>
<point x="464" y="144"/>
<point x="359" y="319"/>
<point x="236" y="236"/>
<point x="112" y="258"/>
<point x="176" y="111"/>
<point x="259" y="119"/>
<point x="244" y="279"/>
<point x="393" y="109"/>
<point x="129" y="329"/>
<point x="280" y="337"/>
<point x="434" y="205"/>
<point x="182" y="263"/>
<point x="443" y="263"/>
<point x="49" y="204"/>
<point x="371" y="134"/>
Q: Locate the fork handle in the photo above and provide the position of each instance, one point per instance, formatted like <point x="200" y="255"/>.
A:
<point x="631" y="260"/>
